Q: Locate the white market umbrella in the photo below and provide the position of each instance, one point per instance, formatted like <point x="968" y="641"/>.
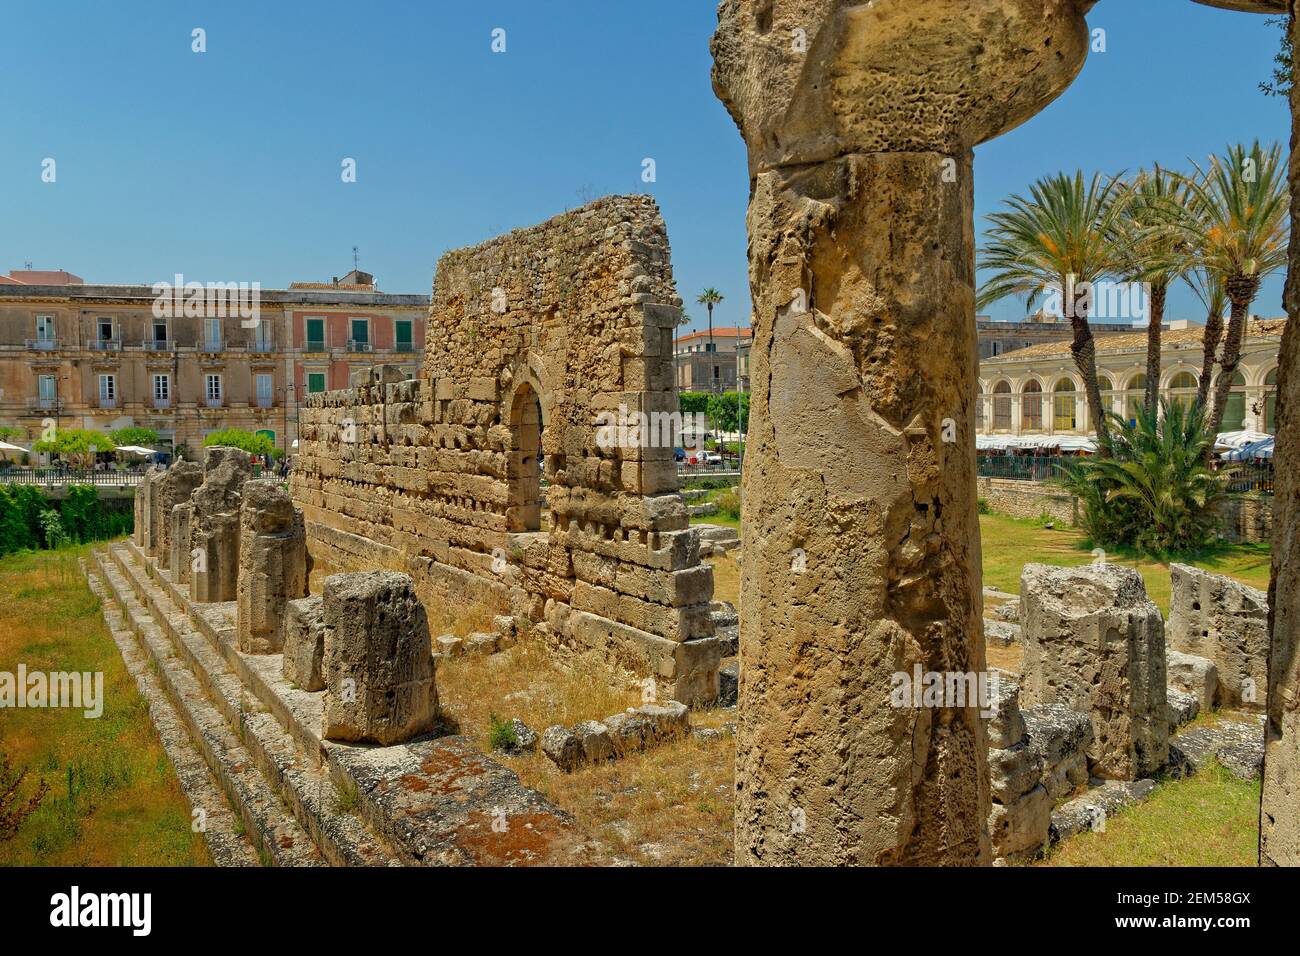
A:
<point x="135" y="450"/>
<point x="5" y="446"/>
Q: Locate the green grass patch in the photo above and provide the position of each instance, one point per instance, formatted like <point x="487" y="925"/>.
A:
<point x="1211" y="819"/>
<point x="114" y="799"/>
<point x="1009" y="543"/>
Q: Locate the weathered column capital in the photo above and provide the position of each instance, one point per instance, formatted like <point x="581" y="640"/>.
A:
<point x="811" y="80"/>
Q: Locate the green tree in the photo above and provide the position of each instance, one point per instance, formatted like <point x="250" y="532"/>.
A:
<point x="729" y="411"/>
<point x="709" y="298"/>
<point x="693" y="403"/>
<point x="1153" y="488"/>
<point x="145" y="437"/>
<point x="1283" y="62"/>
<point x="1209" y="289"/>
<point x="79" y="444"/>
<point x="1237" y="222"/>
<point x="1052" y="242"/>
<point x="1153" y="253"/>
<point x="250" y="442"/>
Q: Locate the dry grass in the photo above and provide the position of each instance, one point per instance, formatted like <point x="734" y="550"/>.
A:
<point x="671" y="805"/>
<point x="726" y="578"/>
<point x="114" y="799"/>
<point x="1009" y="658"/>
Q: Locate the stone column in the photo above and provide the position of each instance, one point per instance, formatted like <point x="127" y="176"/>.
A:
<point x="214" y="525"/>
<point x="179" y="557"/>
<point x="378" y="666"/>
<point x="171" y="488"/>
<point x="860" y="525"/>
<point x="1095" y="643"/>
<point x="272" y="565"/>
<point x="1279" y="823"/>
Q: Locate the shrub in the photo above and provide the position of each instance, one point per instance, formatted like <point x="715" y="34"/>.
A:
<point x="250" y="442"/>
<point x="501" y="735"/>
<point x="728" y="503"/>
<point x="1153" y="490"/>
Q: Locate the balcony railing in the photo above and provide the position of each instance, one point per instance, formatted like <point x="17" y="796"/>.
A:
<point x="106" y="345"/>
<point x="355" y="346"/>
<point x="315" y="345"/>
<point x="60" y="476"/>
<point x="404" y="347"/>
<point x="162" y="402"/>
<point x="211" y="345"/>
<point x="43" y="345"/>
<point x="106" y="401"/>
<point x="261" y="346"/>
<point x="38" y="402"/>
<point x="158" y="345"/>
<point x="214" y="402"/>
<point x="264" y="401"/>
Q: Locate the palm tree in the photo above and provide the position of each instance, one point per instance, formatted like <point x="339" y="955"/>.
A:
<point x="709" y="298"/>
<point x="1153" y="253"/>
<point x="1155" y="474"/>
<point x="1240" y="229"/>
<point x="1051" y="243"/>
<point x="1209" y="289"/>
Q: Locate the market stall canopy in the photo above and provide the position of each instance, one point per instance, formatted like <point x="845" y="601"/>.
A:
<point x="1061" y="442"/>
<point x="1259" y="449"/>
<point x="135" y="450"/>
<point x="5" y="446"/>
<point x="1239" y="439"/>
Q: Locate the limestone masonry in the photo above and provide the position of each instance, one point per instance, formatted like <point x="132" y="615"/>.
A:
<point x="531" y="336"/>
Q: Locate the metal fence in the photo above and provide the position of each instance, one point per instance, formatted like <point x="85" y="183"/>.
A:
<point x="60" y="476"/>
<point x="1251" y="477"/>
<point x="1021" y="467"/>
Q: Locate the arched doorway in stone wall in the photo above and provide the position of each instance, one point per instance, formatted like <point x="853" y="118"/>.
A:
<point x="524" y="509"/>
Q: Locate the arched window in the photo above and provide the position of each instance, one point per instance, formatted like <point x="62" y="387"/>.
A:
<point x="1063" y="406"/>
<point x="1134" y="396"/>
<point x="1182" y="389"/>
<point x="1270" y="402"/>
<point x="1107" y="389"/>
<point x="524" y="510"/>
<point x="1234" y="412"/>
<point x="1031" y="408"/>
<point x="1002" y="407"/>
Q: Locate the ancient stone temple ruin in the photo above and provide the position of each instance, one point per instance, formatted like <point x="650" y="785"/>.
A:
<point x="305" y="729"/>
<point x="534" y="338"/>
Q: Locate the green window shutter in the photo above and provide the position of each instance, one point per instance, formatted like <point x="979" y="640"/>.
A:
<point x="404" y="336"/>
<point x="316" y="335"/>
<point x="316" y="382"/>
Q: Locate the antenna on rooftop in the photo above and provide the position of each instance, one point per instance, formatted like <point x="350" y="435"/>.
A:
<point x="355" y="259"/>
<point x="28" y="265"/>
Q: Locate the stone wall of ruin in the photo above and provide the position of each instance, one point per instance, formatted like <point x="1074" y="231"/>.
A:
<point x="571" y="318"/>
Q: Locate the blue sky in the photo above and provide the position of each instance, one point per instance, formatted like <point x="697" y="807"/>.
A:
<point x="225" y="165"/>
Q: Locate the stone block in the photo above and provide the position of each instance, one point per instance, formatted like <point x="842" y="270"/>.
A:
<point x="1215" y="617"/>
<point x="304" y="643"/>
<point x="1094" y="642"/>
<point x="1193" y="675"/>
<point x="273" y="565"/>
<point x="379" y="673"/>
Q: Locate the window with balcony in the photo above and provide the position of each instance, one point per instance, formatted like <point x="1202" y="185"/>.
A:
<point x="104" y="340"/>
<point x="404" y="338"/>
<point x="212" y="335"/>
<point x="212" y="390"/>
<point x="262" y="336"/>
<point x="315" y="335"/>
<point x="359" y="340"/>
<point x="46" y="391"/>
<point x="44" y="332"/>
<point x="108" y="391"/>
<point x="159" y="340"/>
<point x="162" y="391"/>
<point x="265" y="390"/>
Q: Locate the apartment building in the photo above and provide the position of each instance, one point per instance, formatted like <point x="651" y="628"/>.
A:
<point x="112" y="356"/>
<point x="708" y="363"/>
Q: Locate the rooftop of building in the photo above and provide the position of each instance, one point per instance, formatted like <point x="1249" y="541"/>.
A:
<point x="719" y="332"/>
<point x="1136" y="341"/>
<point x="355" y="288"/>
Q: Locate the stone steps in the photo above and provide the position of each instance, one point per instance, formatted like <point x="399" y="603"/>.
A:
<point x="284" y="794"/>
<point x="222" y="830"/>
<point x="429" y="801"/>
